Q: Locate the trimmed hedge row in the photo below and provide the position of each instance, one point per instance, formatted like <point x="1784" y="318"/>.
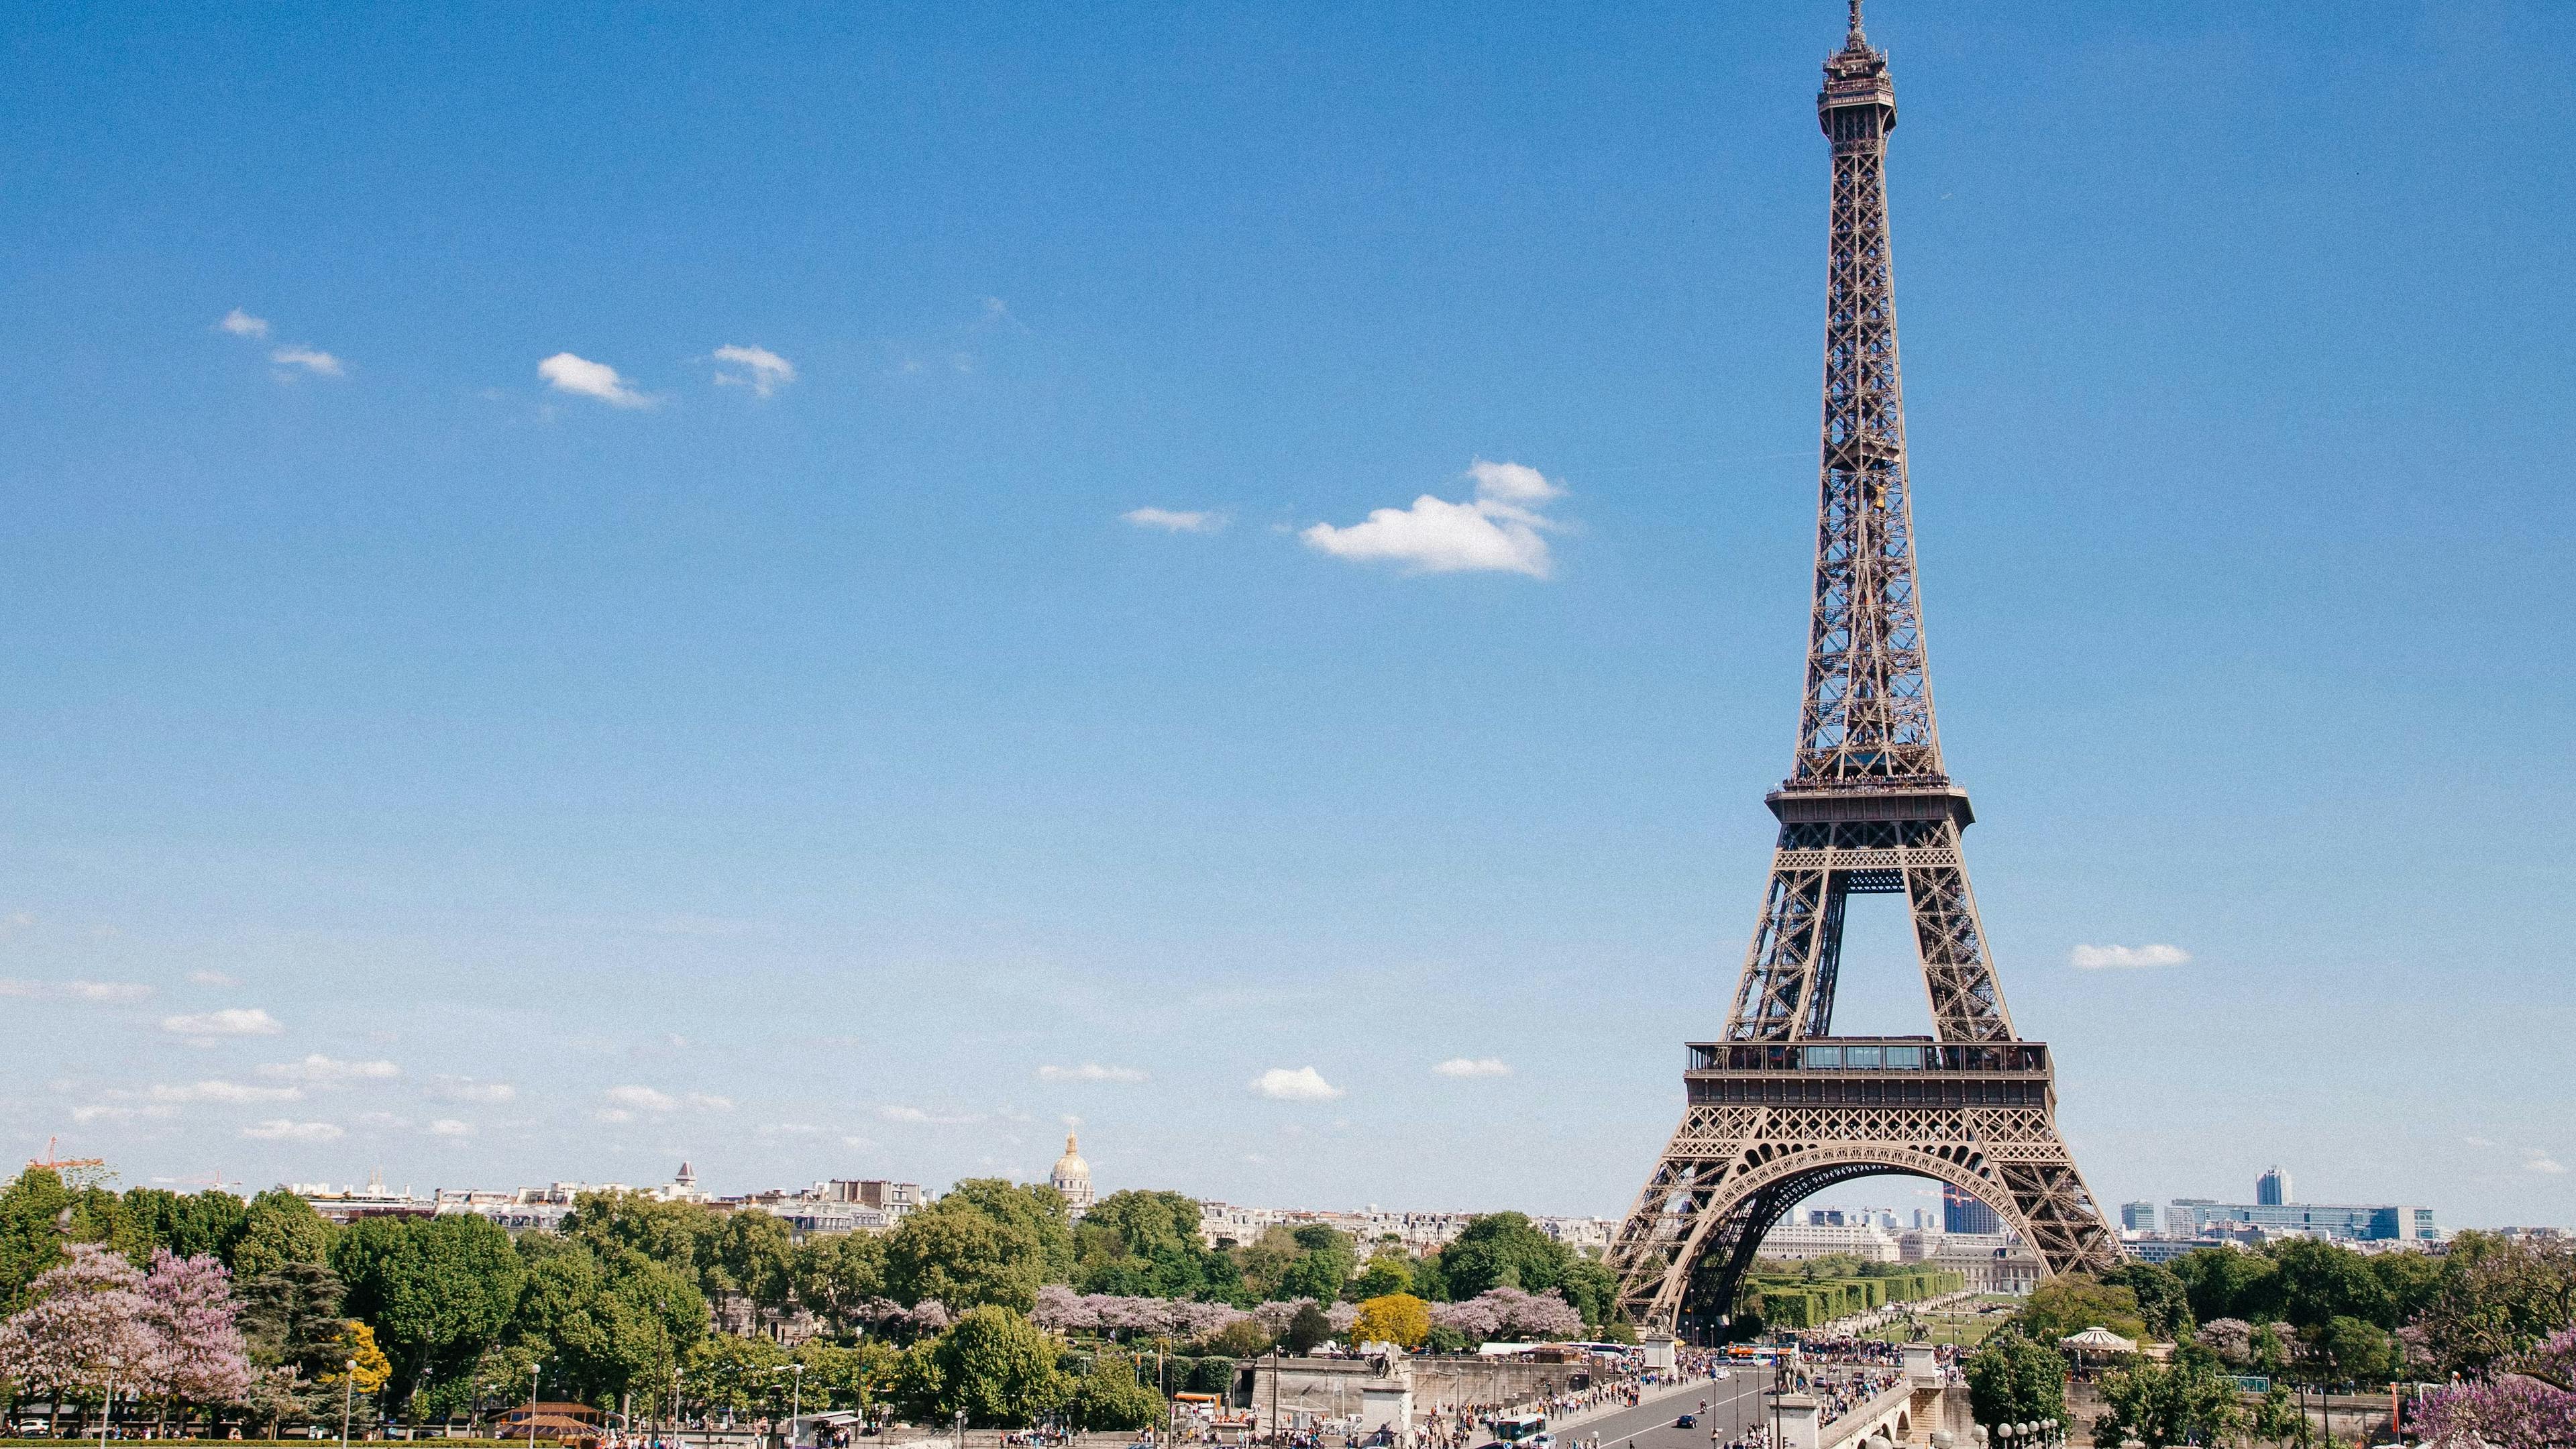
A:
<point x="1812" y="1303"/>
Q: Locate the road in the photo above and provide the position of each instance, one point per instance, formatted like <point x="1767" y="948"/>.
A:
<point x="1735" y="1408"/>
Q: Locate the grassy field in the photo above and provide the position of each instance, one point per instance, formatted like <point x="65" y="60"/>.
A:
<point x="1967" y="1329"/>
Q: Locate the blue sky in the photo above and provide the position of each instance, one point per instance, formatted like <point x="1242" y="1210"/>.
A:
<point x="798" y="761"/>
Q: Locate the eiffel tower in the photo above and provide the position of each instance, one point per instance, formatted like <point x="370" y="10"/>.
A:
<point x="1782" y="1107"/>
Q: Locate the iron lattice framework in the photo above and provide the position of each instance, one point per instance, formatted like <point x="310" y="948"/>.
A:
<point x="1867" y="808"/>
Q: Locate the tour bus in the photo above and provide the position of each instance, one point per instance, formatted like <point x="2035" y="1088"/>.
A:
<point x="1523" y="1429"/>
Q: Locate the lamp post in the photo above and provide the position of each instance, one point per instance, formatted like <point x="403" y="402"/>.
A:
<point x="348" y="1398"/>
<point x="532" y="1402"/>
<point x="796" y="1398"/>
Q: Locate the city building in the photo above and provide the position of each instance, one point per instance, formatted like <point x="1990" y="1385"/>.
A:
<point x="1995" y="1262"/>
<point x="1225" y="1225"/>
<point x="1072" y="1177"/>
<point x="1819" y="1239"/>
<point x="1965" y="1213"/>
<point x="2138" y="1217"/>
<point x="346" y="1205"/>
<point x="2367" y="1222"/>
<point x="2272" y="1189"/>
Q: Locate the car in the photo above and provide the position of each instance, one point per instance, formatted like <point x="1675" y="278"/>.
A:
<point x="1687" y="1421"/>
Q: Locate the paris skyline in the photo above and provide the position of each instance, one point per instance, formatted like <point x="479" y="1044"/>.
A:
<point x="819" y="595"/>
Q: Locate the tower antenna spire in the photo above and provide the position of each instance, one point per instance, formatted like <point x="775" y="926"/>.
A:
<point x="1857" y="36"/>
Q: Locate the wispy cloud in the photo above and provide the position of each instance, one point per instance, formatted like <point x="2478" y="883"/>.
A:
<point x="1175" y="520"/>
<point x="281" y="1129"/>
<point x="901" y="1113"/>
<point x="2105" y="958"/>
<point x="218" y="1091"/>
<point x="1304" y="1084"/>
<point x="450" y="1127"/>
<point x="322" y="1071"/>
<point x="312" y="360"/>
<point x="757" y="368"/>
<point x="469" y="1089"/>
<point x="1498" y="530"/>
<point x="95" y="993"/>
<point x="2536" y="1160"/>
<point x="1089" y="1072"/>
<point x="1474" y="1067"/>
<point x="579" y="375"/>
<point x="106" y="1112"/>
<point x="241" y="324"/>
<point x="642" y="1099"/>
<point x="231" y="1021"/>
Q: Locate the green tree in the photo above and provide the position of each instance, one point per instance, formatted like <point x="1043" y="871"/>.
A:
<point x="2321" y="1282"/>
<point x="835" y="1276"/>
<point x="2073" y="1302"/>
<point x="1309" y="1329"/>
<point x="2164" y="1304"/>
<point x="1326" y="1259"/>
<point x="2186" y="1402"/>
<point x="2012" y="1380"/>
<point x="1387" y="1272"/>
<point x="755" y="1256"/>
<point x="437" y="1291"/>
<point x="724" y="1372"/>
<point x="995" y="1365"/>
<point x="278" y="1228"/>
<point x="987" y="1241"/>
<point x="290" y="1317"/>
<point x="1503" y="1250"/>
<point x="608" y="1320"/>
<point x="205" y="1224"/>
<point x="1264" y="1262"/>
<point x="2226" y="1283"/>
<point x="675" y="1234"/>
<point x="1112" y="1396"/>
<point x="2496" y="1297"/>
<point x="1243" y="1338"/>
<point x="2346" y="1350"/>
<point x="1146" y="1244"/>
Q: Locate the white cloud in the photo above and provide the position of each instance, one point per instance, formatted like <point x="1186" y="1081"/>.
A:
<point x="312" y="360"/>
<point x="281" y="1129"/>
<point x="2536" y="1160"/>
<point x="764" y="371"/>
<point x="241" y="324"/>
<point x="467" y="1089"/>
<point x="705" y="1103"/>
<point x="612" y="1114"/>
<point x="860" y="1142"/>
<point x="1474" y="1067"/>
<point x="324" y="1071"/>
<point x="231" y="1021"/>
<point x="903" y="1114"/>
<point x="642" y="1099"/>
<point x="567" y="373"/>
<point x="212" y="978"/>
<point x="104" y="1113"/>
<point x="1305" y="1084"/>
<point x="96" y="993"/>
<point x="2099" y="958"/>
<point x="1089" y="1072"/>
<point x="215" y="1091"/>
<point x="1498" y="531"/>
<point x="1174" y="520"/>
<point x="450" y="1127"/>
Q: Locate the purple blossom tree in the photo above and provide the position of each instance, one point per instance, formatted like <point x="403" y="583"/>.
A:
<point x="2532" y="1406"/>
<point x="86" y="1328"/>
<point x="189" y="1312"/>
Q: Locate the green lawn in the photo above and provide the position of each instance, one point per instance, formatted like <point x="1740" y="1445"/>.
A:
<point x="1960" y="1328"/>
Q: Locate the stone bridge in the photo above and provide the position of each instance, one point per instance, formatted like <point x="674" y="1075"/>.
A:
<point x="1906" y="1412"/>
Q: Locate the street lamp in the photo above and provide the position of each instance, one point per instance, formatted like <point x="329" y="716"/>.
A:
<point x="532" y="1402"/>
<point x="795" y="1398"/>
<point x="348" y="1398"/>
